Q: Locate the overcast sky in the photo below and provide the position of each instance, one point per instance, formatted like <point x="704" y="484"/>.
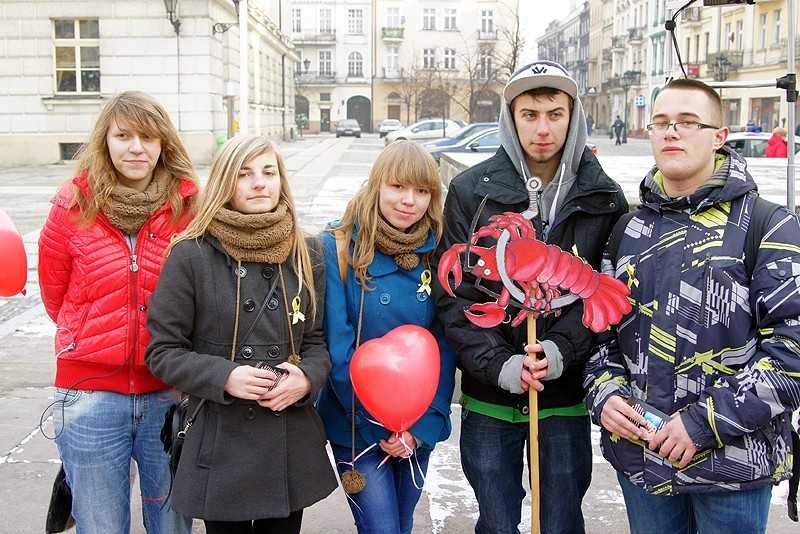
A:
<point x="535" y="15"/>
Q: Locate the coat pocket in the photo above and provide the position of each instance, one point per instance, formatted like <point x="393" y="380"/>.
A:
<point x="205" y="456"/>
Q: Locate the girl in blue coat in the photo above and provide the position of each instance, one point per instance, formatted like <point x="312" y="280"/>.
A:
<point x="387" y="234"/>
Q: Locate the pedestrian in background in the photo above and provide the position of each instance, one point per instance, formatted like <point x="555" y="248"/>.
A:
<point x="100" y="254"/>
<point x="777" y="144"/>
<point x="712" y="340"/>
<point x="386" y="236"/>
<point x="589" y="124"/>
<point x="255" y="456"/>
<point x="543" y="134"/>
<point x="618" y="126"/>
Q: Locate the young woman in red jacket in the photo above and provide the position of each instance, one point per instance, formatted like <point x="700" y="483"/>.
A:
<point x="100" y="255"/>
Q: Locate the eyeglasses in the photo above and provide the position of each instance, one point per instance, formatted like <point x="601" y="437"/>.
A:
<point x="678" y="126"/>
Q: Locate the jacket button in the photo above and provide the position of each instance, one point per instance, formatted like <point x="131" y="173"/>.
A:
<point x="267" y="272"/>
<point x="524" y="410"/>
<point x="247" y="352"/>
<point x="143" y="308"/>
<point x="272" y="304"/>
<point x="385" y="298"/>
<point x="241" y="272"/>
<point x="273" y="351"/>
<point x="422" y="296"/>
<point x="250" y="414"/>
<point x="357" y="420"/>
<point x="781" y="273"/>
<point x="613" y="205"/>
<point x="249" y="305"/>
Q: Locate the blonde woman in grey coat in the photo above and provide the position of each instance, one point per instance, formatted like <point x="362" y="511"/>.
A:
<point x="243" y="286"/>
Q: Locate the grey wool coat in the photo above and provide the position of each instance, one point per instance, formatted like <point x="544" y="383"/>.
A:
<point x="240" y="461"/>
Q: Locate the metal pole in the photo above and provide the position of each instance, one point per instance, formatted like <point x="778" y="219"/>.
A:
<point x="790" y="108"/>
<point x="244" y="77"/>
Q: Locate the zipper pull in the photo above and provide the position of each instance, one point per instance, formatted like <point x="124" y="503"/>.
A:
<point x="134" y="266"/>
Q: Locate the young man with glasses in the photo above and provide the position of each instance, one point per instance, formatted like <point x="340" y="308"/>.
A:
<point x="713" y="339"/>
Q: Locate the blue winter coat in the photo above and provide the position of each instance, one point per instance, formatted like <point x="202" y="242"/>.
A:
<point x="705" y="338"/>
<point x="394" y="301"/>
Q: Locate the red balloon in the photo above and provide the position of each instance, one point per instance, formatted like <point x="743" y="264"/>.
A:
<point x="14" y="270"/>
<point x="395" y="376"/>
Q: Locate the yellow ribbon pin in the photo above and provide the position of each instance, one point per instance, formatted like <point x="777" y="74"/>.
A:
<point x="631" y="275"/>
<point x="296" y="315"/>
<point x="425" y="286"/>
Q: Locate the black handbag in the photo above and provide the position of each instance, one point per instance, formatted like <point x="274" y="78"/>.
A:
<point x="173" y="433"/>
<point x="59" y="514"/>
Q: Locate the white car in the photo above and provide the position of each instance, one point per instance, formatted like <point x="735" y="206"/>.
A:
<point x="424" y="129"/>
<point x="753" y="144"/>
<point x="389" y="125"/>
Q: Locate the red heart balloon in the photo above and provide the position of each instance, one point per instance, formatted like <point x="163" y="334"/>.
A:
<point x="14" y="272"/>
<point x="395" y="376"/>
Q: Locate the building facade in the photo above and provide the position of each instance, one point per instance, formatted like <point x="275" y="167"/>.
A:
<point x="631" y="56"/>
<point x="407" y="60"/>
<point x="62" y="59"/>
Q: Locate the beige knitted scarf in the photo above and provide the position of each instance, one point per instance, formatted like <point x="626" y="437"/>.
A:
<point x="399" y="244"/>
<point x="128" y="209"/>
<point x="258" y="237"/>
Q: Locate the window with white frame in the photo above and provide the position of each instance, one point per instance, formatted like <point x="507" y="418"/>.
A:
<point x="428" y="58"/>
<point x="325" y="62"/>
<point x="393" y="19"/>
<point x="428" y="18"/>
<point x="486" y="64"/>
<point x="392" y="61"/>
<point x="740" y="35"/>
<point x="450" y="59"/>
<point x="450" y="18"/>
<point x="355" y="21"/>
<point x="298" y="67"/>
<point x="763" y="30"/>
<point x="355" y="64"/>
<point x="728" y="36"/>
<point x="325" y="21"/>
<point x="487" y="20"/>
<point x="77" y="55"/>
<point x="297" y="17"/>
<point x="776" y="27"/>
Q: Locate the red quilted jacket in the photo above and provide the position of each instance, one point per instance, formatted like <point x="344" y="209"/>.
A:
<point x="96" y="296"/>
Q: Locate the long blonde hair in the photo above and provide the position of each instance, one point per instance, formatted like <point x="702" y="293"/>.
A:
<point x="143" y="114"/>
<point x="405" y="162"/>
<point x="221" y="186"/>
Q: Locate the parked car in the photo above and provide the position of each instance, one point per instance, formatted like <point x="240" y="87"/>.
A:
<point x="481" y="141"/>
<point x="459" y="135"/>
<point x="348" y="127"/>
<point x="389" y="125"/>
<point x="752" y="144"/>
<point x="422" y="130"/>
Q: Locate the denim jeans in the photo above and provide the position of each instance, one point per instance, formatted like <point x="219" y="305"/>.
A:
<point x="386" y="504"/>
<point x="705" y="513"/>
<point x="98" y="432"/>
<point x="492" y="459"/>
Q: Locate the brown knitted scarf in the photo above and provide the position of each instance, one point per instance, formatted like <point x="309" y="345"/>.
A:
<point x="399" y="244"/>
<point x="260" y="237"/>
<point x="128" y="209"/>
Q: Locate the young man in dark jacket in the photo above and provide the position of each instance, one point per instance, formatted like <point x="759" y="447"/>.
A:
<point x="543" y="134"/>
<point x="710" y="342"/>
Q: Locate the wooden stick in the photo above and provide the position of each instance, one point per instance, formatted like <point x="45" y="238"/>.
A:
<point x="533" y="413"/>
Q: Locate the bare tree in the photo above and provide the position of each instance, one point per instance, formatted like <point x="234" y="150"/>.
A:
<point x="510" y="33"/>
<point x="479" y="75"/>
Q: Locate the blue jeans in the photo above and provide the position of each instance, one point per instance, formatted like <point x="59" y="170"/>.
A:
<point x="98" y="432"/>
<point x="723" y="511"/>
<point x="386" y="504"/>
<point x="492" y="453"/>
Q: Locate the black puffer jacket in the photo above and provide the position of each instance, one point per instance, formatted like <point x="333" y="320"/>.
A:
<point x="592" y="206"/>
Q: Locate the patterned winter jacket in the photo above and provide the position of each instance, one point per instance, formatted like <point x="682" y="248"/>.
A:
<point x="704" y="338"/>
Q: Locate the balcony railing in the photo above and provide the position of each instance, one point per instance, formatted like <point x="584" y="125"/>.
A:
<point x="734" y="58"/>
<point x="692" y="16"/>
<point x="487" y="36"/>
<point x="606" y="54"/>
<point x="618" y="42"/>
<point x="313" y="77"/>
<point x="635" y="34"/>
<point x="325" y="37"/>
<point x="393" y="33"/>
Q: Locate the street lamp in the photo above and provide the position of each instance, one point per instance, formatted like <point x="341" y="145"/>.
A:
<point x="625" y="81"/>
<point x="172" y="14"/>
<point x="306" y="63"/>
<point x="722" y="67"/>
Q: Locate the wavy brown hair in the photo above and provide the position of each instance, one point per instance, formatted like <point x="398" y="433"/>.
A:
<point x="221" y="186"/>
<point x="142" y="114"/>
<point x="405" y="162"/>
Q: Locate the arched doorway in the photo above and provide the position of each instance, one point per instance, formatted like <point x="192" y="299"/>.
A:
<point x="301" y="111"/>
<point x="358" y="108"/>
<point x="484" y="107"/>
<point x="393" y="104"/>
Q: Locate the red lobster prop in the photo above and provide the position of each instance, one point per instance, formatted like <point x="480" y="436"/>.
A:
<point x="521" y="261"/>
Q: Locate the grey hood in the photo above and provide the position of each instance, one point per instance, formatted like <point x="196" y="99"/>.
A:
<point x="570" y="157"/>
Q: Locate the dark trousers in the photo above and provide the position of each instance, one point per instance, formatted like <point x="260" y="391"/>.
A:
<point x="618" y="132"/>
<point x="276" y="525"/>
